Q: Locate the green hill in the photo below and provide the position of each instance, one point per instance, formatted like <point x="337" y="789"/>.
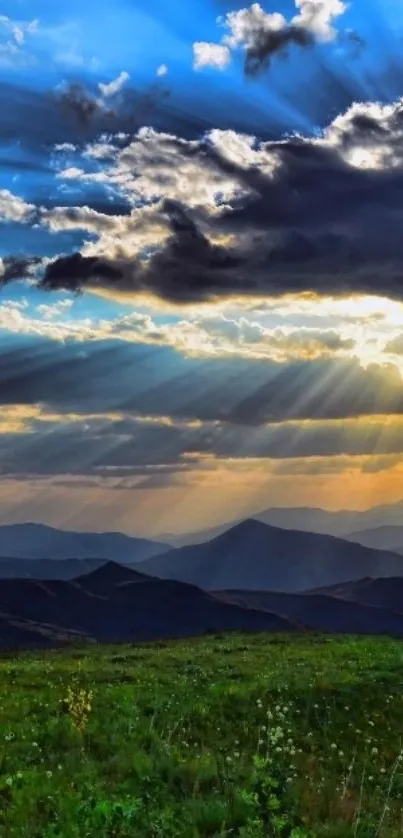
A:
<point x="297" y="736"/>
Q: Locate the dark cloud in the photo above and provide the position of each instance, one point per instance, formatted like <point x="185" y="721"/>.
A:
<point x="354" y="37"/>
<point x="73" y="272"/>
<point x="267" y="43"/>
<point x="125" y="111"/>
<point x="39" y="120"/>
<point x="16" y="267"/>
<point x="200" y="263"/>
<point x="316" y="222"/>
<point x="354" y="43"/>
<point x="316" y="225"/>
<point x="77" y="101"/>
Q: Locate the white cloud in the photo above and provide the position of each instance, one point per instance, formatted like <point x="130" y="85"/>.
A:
<point x="162" y="70"/>
<point x="318" y="16"/>
<point x="115" y="86"/>
<point x="17" y="321"/>
<point x="14" y="208"/>
<point x="210" y="336"/>
<point x="370" y="135"/>
<point x="118" y="236"/>
<point x="12" y="41"/>
<point x="245" y="23"/>
<point x="65" y="147"/>
<point x="210" y="55"/>
<point x="19" y="29"/>
<point x="50" y="312"/>
<point x="155" y="166"/>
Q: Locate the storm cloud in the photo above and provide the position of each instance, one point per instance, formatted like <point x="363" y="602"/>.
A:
<point x="319" y="215"/>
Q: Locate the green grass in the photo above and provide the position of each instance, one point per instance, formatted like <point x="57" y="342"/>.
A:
<point x="249" y="736"/>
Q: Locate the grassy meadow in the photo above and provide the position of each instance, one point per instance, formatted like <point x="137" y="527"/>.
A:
<point x="242" y="735"/>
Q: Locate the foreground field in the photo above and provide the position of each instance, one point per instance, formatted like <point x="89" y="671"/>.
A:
<point x="249" y="736"/>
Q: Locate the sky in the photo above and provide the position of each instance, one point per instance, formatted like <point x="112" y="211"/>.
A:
<point x="201" y="260"/>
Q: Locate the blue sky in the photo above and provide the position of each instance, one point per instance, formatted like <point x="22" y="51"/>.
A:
<point x="234" y="237"/>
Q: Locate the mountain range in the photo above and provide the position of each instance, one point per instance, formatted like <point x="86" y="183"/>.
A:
<point x="252" y="577"/>
<point x="308" y="519"/>
<point x="16" y="568"/>
<point x="254" y="556"/>
<point x="38" y="541"/>
<point x="388" y="537"/>
<point x="249" y="556"/>
<point x="115" y="604"/>
<point x="42" y="569"/>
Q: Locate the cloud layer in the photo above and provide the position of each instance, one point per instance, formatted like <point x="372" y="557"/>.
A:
<point x="231" y="216"/>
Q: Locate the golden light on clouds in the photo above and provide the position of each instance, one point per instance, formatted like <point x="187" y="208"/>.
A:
<point x="304" y="327"/>
<point x="206" y="496"/>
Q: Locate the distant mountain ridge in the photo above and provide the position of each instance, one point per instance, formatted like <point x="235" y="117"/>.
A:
<point x="252" y="577"/>
<point x="387" y="537"/>
<point x="256" y="556"/>
<point x="17" y="568"/>
<point x="307" y="519"/>
<point x="38" y="541"/>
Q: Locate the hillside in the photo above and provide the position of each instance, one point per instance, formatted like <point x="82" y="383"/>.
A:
<point x="116" y="604"/>
<point x="37" y="541"/>
<point x="254" y="556"/>
<point x="16" y="633"/>
<point x="323" y="612"/>
<point x="107" y="578"/>
<point x="173" y="740"/>
<point x="380" y="593"/>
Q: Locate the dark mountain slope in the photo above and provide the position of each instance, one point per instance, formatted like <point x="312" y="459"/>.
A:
<point x="113" y="606"/>
<point x="320" y="612"/>
<point x="22" y="633"/>
<point x="380" y="593"/>
<point x="254" y="556"/>
<point x="17" y="634"/>
<point x="106" y="578"/>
